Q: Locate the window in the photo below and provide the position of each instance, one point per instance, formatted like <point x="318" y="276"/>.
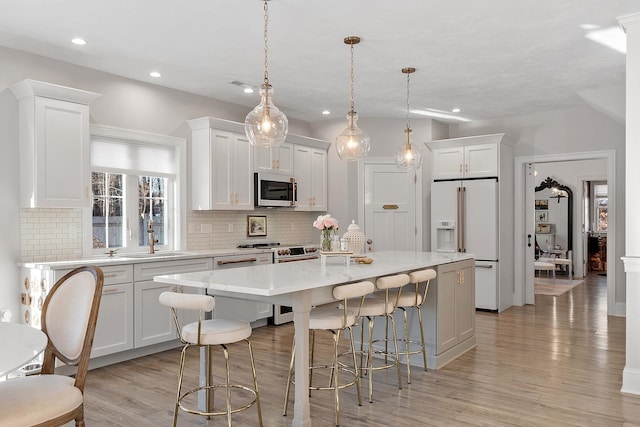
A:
<point x="601" y="207"/>
<point x="135" y="183"/>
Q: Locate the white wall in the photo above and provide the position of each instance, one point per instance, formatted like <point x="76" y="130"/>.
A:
<point x="575" y="130"/>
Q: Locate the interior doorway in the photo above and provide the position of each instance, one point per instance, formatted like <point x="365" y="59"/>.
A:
<point x="525" y="222"/>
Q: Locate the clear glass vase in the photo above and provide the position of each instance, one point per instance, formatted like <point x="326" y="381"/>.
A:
<point x="326" y="236"/>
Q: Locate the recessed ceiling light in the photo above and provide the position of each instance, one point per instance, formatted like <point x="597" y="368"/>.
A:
<point x="248" y="90"/>
<point x="326" y="112"/>
<point x="79" y="41"/>
<point x="155" y="74"/>
<point x="455" y="110"/>
<point x="589" y="27"/>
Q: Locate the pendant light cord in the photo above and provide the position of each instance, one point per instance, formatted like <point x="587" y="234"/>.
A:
<point x="352" y="77"/>
<point x="266" y="42"/>
<point x="408" y="120"/>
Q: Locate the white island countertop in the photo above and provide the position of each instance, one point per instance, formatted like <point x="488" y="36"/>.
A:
<point x="272" y="280"/>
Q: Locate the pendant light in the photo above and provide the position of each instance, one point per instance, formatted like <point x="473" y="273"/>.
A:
<point x="352" y="143"/>
<point x="408" y="156"/>
<point x="266" y="126"/>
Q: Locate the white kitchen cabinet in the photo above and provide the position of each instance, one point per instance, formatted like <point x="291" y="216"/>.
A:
<point x="221" y="165"/>
<point x="153" y="321"/>
<point x="278" y="160"/>
<point x="449" y="312"/>
<point x="55" y="164"/>
<point x="310" y="171"/>
<point x="466" y="161"/>
<point x="114" y="328"/>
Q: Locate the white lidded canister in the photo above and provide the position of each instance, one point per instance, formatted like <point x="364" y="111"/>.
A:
<point x="355" y="237"/>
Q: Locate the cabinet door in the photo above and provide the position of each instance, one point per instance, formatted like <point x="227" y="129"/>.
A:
<point x="114" y="329"/>
<point x="448" y="163"/>
<point x="274" y="160"/>
<point x="447" y="281"/>
<point x="310" y="167"/>
<point x="465" y="301"/>
<point x="284" y="160"/>
<point x="302" y="173"/>
<point x="319" y="179"/>
<point x="153" y="321"/>
<point x="242" y="176"/>
<point x="481" y="161"/>
<point x="222" y="170"/>
<point x="62" y="164"/>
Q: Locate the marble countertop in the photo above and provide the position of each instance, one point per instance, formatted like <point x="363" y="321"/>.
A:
<point x="138" y="258"/>
<point x="279" y="279"/>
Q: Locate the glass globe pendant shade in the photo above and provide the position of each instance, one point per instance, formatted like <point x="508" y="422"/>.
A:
<point x="266" y="126"/>
<point x="352" y="143"/>
<point x="408" y="155"/>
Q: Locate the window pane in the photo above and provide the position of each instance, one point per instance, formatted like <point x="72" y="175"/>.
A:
<point x="152" y="205"/>
<point x="107" y="213"/>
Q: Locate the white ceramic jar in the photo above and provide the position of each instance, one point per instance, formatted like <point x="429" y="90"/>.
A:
<point x="355" y="237"/>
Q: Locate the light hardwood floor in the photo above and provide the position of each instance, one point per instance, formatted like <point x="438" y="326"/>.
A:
<point x="558" y="363"/>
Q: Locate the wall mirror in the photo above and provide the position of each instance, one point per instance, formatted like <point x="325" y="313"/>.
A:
<point x="554" y="217"/>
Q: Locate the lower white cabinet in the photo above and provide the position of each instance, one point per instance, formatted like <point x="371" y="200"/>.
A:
<point x="114" y="330"/>
<point x="153" y="321"/>
<point x="449" y="313"/>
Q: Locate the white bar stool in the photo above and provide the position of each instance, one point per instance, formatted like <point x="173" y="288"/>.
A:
<point x="415" y="299"/>
<point x="209" y="333"/>
<point x="335" y="318"/>
<point x="377" y="306"/>
<point x="546" y="266"/>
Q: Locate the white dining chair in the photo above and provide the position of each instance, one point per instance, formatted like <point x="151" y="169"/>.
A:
<point x="69" y="316"/>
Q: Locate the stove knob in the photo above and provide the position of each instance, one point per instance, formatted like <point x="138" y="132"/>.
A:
<point x="288" y="251"/>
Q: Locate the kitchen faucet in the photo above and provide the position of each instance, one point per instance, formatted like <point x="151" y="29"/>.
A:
<point x="152" y="237"/>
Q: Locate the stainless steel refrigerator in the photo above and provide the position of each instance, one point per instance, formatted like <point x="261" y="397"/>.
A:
<point x="464" y="216"/>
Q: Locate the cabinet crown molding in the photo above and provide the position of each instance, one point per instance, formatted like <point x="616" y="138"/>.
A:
<point x="28" y="87"/>
<point x="466" y="140"/>
<point x="231" y="126"/>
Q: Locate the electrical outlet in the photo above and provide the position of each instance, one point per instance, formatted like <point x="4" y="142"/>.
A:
<point x="293" y="225"/>
<point x="230" y="228"/>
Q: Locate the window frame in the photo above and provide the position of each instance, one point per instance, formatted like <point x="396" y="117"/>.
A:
<point x="176" y="213"/>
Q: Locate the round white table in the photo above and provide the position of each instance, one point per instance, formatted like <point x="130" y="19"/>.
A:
<point x="21" y="344"/>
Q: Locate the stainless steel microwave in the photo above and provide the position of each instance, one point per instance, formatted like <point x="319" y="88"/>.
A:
<point x="274" y="190"/>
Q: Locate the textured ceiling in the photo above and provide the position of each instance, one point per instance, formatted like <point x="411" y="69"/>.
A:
<point x="491" y="58"/>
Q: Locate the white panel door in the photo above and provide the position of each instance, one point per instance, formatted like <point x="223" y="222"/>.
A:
<point x="390" y="208"/>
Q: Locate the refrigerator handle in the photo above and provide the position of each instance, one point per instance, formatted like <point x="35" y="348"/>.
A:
<point x="459" y="231"/>
<point x="462" y="217"/>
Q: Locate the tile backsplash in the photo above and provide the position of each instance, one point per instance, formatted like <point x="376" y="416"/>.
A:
<point x="55" y="234"/>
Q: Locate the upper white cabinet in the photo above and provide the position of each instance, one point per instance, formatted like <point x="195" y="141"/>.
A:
<point x="277" y="160"/>
<point x="55" y="141"/>
<point x="221" y="165"/>
<point x="311" y="178"/>
<point x="474" y="157"/>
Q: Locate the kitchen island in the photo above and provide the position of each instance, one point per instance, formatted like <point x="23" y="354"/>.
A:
<point x="449" y="309"/>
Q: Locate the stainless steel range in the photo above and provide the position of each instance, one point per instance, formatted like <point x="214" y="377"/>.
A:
<point x="289" y="253"/>
<point x="295" y="253"/>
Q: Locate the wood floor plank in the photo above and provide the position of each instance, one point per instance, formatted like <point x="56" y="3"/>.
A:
<point x="558" y="363"/>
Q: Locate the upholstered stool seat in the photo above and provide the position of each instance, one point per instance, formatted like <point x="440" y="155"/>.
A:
<point x="209" y="333"/>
